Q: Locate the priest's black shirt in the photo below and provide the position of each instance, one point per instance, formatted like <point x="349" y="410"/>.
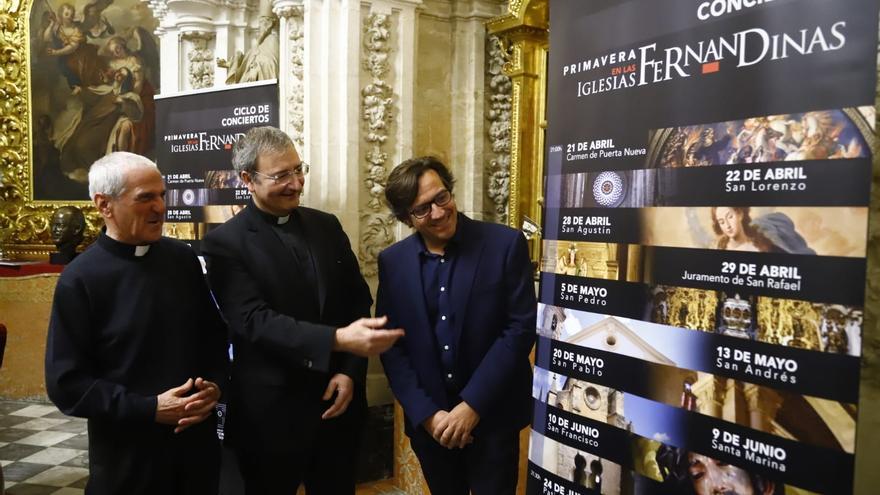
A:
<point x="123" y="329"/>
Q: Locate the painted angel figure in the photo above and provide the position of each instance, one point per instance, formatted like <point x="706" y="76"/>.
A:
<point x="78" y="60"/>
<point x="93" y="23"/>
<point x="127" y="122"/>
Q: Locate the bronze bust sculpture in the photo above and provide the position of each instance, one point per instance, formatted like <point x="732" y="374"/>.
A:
<point x="68" y="229"/>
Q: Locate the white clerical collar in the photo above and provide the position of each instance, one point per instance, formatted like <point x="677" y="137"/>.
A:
<point x="283" y="220"/>
<point x="141" y="250"/>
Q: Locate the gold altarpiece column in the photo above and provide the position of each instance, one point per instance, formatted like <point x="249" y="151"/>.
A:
<point x="524" y="32"/>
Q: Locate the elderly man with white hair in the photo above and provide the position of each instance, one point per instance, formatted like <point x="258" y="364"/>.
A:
<point x="137" y="345"/>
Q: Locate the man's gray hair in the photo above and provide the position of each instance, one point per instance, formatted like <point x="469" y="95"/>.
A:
<point x="107" y="174"/>
<point x="258" y="141"/>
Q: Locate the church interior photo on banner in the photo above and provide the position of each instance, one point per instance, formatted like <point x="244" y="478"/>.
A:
<point x="434" y="246"/>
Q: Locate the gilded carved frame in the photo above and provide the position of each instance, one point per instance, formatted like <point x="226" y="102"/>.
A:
<point x="24" y="222"/>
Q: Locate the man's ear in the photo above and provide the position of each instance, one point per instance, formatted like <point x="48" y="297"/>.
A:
<point x="102" y="203"/>
<point x="247" y="179"/>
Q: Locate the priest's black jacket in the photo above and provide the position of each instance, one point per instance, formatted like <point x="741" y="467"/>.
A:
<point x="282" y="345"/>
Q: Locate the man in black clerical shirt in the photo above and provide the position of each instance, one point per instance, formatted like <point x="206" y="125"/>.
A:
<point x="290" y="287"/>
<point x="137" y="345"/>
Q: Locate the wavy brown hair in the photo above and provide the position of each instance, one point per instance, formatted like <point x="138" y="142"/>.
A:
<point x="402" y="185"/>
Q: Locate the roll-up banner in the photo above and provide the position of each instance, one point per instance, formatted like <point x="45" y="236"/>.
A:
<point x="702" y="289"/>
<point x="195" y="132"/>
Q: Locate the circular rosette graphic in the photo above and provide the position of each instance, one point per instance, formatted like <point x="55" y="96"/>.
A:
<point x="608" y="189"/>
<point x="189" y="197"/>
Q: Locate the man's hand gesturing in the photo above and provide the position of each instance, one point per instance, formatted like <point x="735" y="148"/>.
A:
<point x="366" y="337"/>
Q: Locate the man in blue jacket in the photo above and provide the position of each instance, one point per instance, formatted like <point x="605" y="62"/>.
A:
<point x="463" y="291"/>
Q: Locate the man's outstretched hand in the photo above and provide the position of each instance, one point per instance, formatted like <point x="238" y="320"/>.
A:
<point x="366" y="337"/>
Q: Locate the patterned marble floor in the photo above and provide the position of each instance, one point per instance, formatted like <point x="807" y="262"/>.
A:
<point x="44" y="452"/>
<point x="41" y="450"/>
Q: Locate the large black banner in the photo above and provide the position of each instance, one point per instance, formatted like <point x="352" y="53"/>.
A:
<point x="620" y="73"/>
<point x="195" y="132"/>
<point x="703" y="266"/>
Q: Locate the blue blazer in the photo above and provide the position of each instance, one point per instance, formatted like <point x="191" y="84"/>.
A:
<point x="493" y="306"/>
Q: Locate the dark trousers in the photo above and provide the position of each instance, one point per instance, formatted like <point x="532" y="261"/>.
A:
<point x="327" y="468"/>
<point x="488" y="466"/>
<point x="137" y="460"/>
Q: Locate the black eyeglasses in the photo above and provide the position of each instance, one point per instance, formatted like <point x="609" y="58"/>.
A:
<point x="288" y="175"/>
<point x="422" y="210"/>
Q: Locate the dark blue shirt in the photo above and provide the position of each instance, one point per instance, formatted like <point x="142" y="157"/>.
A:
<point x="437" y="273"/>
